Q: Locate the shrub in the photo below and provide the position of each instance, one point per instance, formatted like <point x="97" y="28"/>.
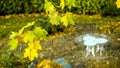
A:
<point x="88" y="6"/>
<point x="103" y="7"/>
<point x="20" y="6"/>
<point x="110" y="8"/>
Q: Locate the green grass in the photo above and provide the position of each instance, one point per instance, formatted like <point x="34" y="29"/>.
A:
<point x="96" y="19"/>
<point x="15" y="22"/>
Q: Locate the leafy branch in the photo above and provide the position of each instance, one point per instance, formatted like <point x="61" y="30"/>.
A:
<point x="55" y="17"/>
<point x="30" y="37"/>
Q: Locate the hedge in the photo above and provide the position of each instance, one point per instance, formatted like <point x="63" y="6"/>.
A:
<point x="20" y="6"/>
<point x="103" y="7"/>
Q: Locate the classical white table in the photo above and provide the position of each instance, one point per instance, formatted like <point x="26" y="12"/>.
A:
<point x="92" y="41"/>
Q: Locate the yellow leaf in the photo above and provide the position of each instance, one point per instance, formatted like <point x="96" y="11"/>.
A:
<point x="37" y="45"/>
<point x="30" y="53"/>
<point x="54" y="18"/>
<point x="49" y="7"/>
<point x="29" y="24"/>
<point x="70" y="18"/>
<point x="31" y="45"/>
<point x="64" y="20"/>
<point x="62" y="4"/>
<point x="34" y="45"/>
<point x="33" y="54"/>
<point x="20" y="31"/>
<point x="48" y="64"/>
<point x="27" y="52"/>
<point x="118" y="3"/>
<point x="28" y="36"/>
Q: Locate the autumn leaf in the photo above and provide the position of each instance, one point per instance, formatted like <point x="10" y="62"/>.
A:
<point x="48" y="64"/>
<point x="52" y="13"/>
<point x="28" y="36"/>
<point x="30" y="53"/>
<point x="70" y="18"/>
<point x="64" y="20"/>
<point x="37" y="45"/>
<point x="49" y="7"/>
<point x="29" y="24"/>
<point x="70" y="3"/>
<point x="54" y="18"/>
<point x="37" y="32"/>
<point x="20" y="31"/>
<point x="13" y="44"/>
<point x="13" y="35"/>
<point x="62" y="4"/>
<point x="44" y="33"/>
<point x="40" y="33"/>
<point x="67" y="19"/>
<point x="31" y="45"/>
<point x="118" y="3"/>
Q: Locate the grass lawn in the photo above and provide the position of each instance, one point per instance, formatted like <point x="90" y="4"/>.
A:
<point x="15" y="22"/>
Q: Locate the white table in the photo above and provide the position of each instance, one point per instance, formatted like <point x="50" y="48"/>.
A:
<point x="91" y="42"/>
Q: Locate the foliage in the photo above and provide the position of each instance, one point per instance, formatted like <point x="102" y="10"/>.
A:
<point x="62" y="4"/>
<point x="48" y="64"/>
<point x="9" y="60"/>
<point x="55" y="21"/>
<point x="67" y="19"/>
<point x="88" y="6"/>
<point x="110" y="8"/>
<point x="103" y="7"/>
<point x="118" y="3"/>
<point x="14" y="43"/>
<point x="51" y="29"/>
<point x="33" y="35"/>
<point x="52" y="13"/>
<point x="30" y="37"/>
<point x="14" y="22"/>
<point x="20" y="6"/>
<point x="54" y="17"/>
<point x="68" y="3"/>
<point x="110" y="28"/>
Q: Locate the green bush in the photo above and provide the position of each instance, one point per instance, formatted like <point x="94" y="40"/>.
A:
<point x="10" y="6"/>
<point x="88" y="6"/>
<point x="103" y="7"/>
<point x="20" y="6"/>
<point x="110" y="8"/>
<point x="51" y="29"/>
<point x="31" y="6"/>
